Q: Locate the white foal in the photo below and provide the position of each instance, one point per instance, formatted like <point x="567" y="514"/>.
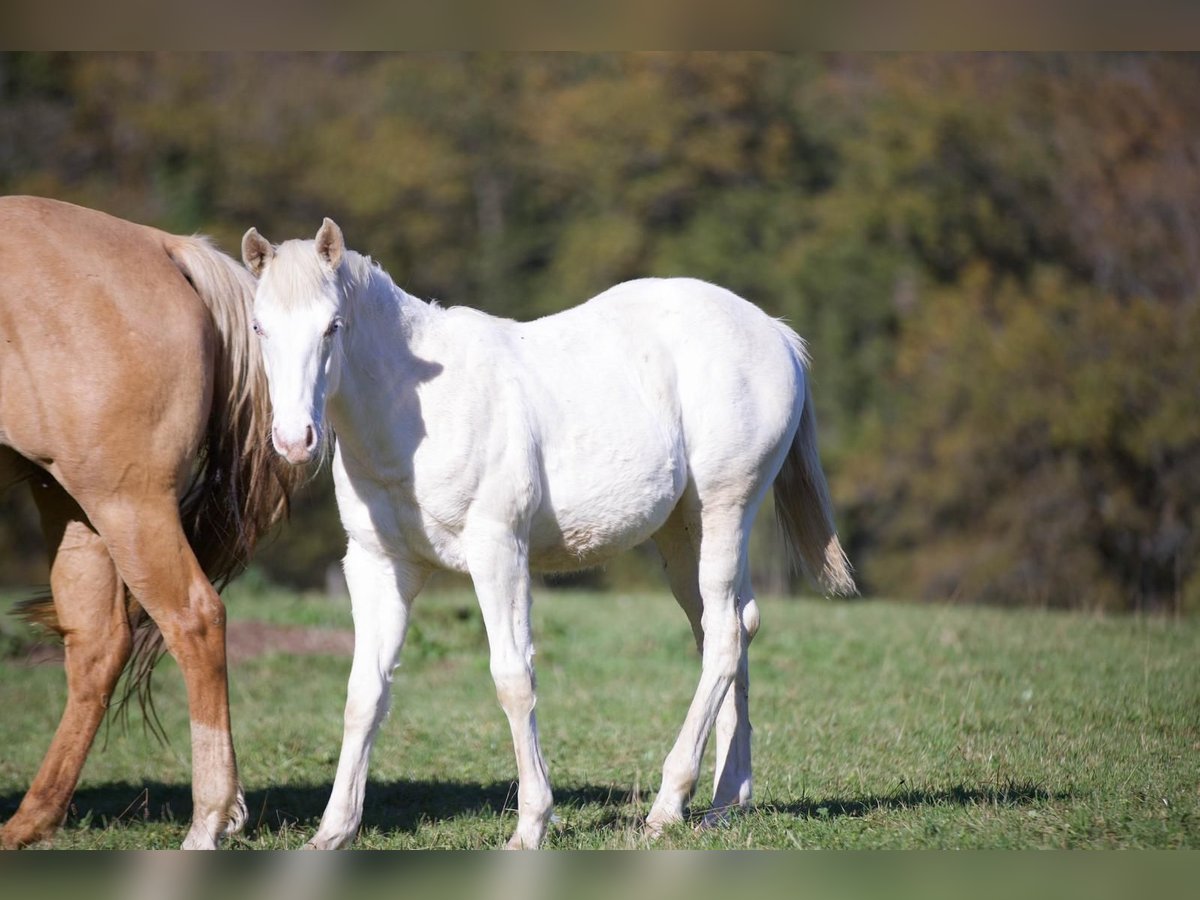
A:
<point x="661" y="409"/>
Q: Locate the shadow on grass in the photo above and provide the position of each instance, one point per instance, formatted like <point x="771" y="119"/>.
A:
<point x="1009" y="794"/>
<point x="403" y="805"/>
<point x="394" y="806"/>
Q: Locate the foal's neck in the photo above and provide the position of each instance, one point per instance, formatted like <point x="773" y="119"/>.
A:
<point x="383" y="312"/>
<point x="385" y="327"/>
<point x="380" y="369"/>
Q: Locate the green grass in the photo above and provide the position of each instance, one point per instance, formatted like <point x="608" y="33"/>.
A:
<point x="876" y="725"/>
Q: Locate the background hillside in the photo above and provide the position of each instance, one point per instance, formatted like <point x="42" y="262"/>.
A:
<point x="995" y="260"/>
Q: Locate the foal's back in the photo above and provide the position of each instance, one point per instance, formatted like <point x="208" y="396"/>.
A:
<point x="652" y="386"/>
<point x="708" y="368"/>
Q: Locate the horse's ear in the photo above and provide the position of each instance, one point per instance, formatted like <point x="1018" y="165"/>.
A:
<point x="256" y="251"/>
<point x="331" y="246"/>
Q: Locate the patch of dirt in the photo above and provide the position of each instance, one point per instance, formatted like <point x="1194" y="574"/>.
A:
<point x="243" y="641"/>
<point x="36" y="654"/>
<point x="247" y="640"/>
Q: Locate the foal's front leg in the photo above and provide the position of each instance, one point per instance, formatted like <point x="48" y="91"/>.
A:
<point x="499" y="564"/>
<point x="381" y="593"/>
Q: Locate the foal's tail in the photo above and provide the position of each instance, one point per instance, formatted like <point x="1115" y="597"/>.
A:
<point x="802" y="502"/>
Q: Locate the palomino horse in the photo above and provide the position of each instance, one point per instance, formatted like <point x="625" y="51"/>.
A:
<point x="133" y="403"/>
<point x="661" y="409"/>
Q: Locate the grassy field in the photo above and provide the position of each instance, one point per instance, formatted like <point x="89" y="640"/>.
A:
<point x="876" y="725"/>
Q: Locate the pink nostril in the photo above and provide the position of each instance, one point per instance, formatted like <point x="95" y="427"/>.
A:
<point x="290" y="448"/>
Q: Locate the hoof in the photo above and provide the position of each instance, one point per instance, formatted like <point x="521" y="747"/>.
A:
<point x="17" y="838"/>
<point x="657" y="823"/>
<point x="517" y="842"/>
<point x="320" y="842"/>
<point x="198" y="839"/>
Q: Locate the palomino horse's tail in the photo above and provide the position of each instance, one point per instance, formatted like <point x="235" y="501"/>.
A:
<point x="802" y="502"/>
<point x="240" y="486"/>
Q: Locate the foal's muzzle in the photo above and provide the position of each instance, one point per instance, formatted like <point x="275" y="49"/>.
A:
<point x="296" y="449"/>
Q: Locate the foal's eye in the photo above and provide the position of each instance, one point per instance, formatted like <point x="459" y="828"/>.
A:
<point x="334" y="326"/>
<point x="257" y="328"/>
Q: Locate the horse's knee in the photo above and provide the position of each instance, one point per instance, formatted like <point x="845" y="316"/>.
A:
<point x="206" y="606"/>
<point x="360" y="716"/>
<point x="198" y="623"/>
<point x="366" y="705"/>
<point x="515" y="690"/>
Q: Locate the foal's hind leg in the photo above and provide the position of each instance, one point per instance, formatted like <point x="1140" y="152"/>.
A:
<point x="732" y="780"/>
<point x="153" y="558"/>
<point x="676" y="541"/>
<point x="89" y="601"/>
<point x="722" y="547"/>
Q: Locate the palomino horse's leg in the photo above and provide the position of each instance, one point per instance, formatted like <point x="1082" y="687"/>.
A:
<point x="89" y="601"/>
<point x="381" y="595"/>
<point x="153" y="558"/>
<point x="722" y="547"/>
<point x="732" y="774"/>
<point x="498" y="560"/>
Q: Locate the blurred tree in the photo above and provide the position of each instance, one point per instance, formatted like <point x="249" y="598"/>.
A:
<point x="995" y="258"/>
<point x="1036" y="446"/>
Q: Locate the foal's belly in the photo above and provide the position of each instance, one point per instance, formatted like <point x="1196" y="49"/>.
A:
<point x="584" y="521"/>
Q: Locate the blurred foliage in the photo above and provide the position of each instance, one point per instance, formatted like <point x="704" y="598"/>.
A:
<point x="995" y="258"/>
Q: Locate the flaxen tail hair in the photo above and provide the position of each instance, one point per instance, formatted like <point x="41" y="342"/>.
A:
<point x="239" y="487"/>
<point x="802" y="502"/>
